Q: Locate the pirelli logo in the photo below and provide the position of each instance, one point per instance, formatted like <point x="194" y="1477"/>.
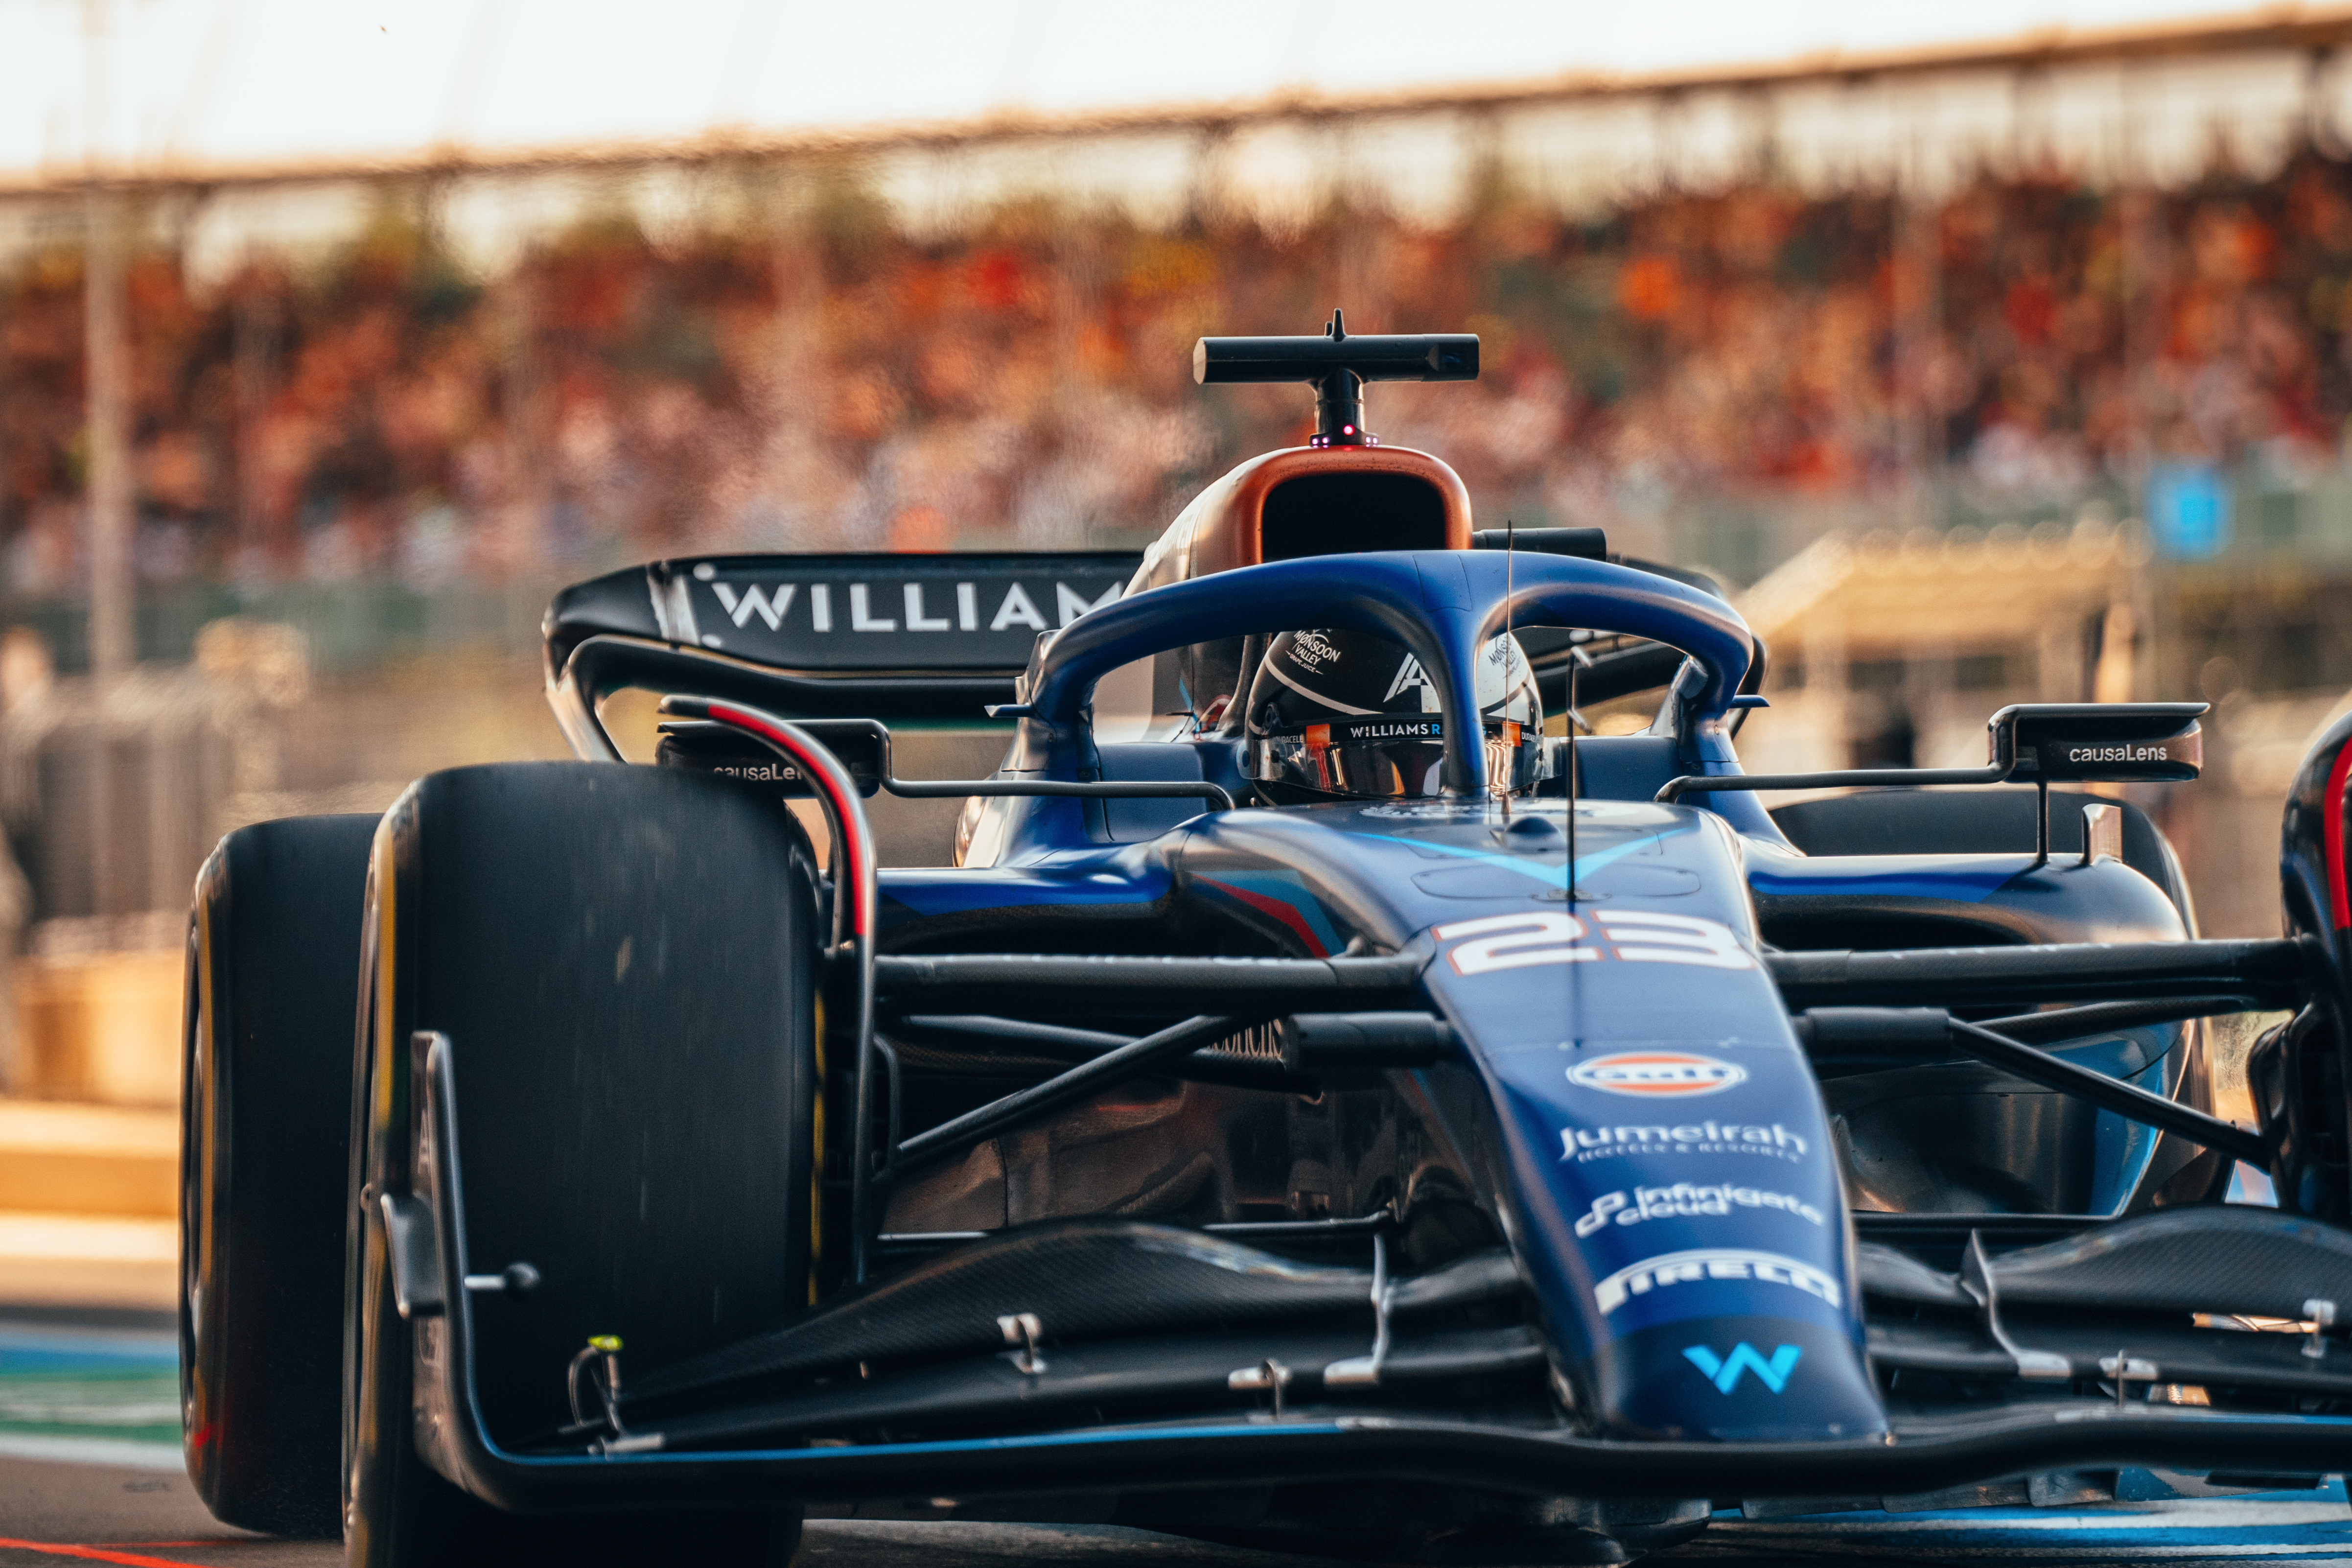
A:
<point x="1716" y="1265"/>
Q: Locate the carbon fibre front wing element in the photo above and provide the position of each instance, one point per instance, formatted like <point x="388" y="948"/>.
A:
<point x="1310" y="1441"/>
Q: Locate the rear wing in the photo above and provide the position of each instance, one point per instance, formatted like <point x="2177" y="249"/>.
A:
<point x="936" y="636"/>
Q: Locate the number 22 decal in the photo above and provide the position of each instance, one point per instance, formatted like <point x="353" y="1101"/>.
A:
<point x="1631" y="936"/>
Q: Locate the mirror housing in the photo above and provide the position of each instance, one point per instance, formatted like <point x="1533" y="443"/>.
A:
<point x="2101" y="742"/>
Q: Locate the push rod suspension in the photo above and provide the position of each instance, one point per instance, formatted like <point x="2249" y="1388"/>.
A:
<point x="2268" y="972"/>
<point x="2127" y="1099"/>
<point x="2076" y="1023"/>
<point x="1930" y="1032"/>
<point x="1027" y="983"/>
<point x="983" y="1036"/>
<point x="1676" y="788"/>
<point x="943" y="789"/>
<point x="1103" y="1072"/>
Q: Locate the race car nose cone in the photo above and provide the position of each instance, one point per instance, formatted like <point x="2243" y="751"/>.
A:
<point x="1746" y="1378"/>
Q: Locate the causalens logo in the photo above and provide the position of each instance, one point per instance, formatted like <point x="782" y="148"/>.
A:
<point x="1725" y="1372"/>
<point x="1656" y="1075"/>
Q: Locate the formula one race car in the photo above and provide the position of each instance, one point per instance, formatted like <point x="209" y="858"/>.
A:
<point x="1332" y="1101"/>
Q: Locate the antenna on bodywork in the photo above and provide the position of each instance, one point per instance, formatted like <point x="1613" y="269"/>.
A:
<point x="1577" y="659"/>
<point x="1510" y="565"/>
<point x="1340" y="400"/>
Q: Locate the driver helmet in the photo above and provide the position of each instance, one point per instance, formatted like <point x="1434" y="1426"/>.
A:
<point x="1347" y="715"/>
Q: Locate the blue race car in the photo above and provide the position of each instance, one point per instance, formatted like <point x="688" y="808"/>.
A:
<point x="1332" y="1101"/>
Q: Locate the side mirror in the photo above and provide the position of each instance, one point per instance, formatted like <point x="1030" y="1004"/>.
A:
<point x="2104" y="742"/>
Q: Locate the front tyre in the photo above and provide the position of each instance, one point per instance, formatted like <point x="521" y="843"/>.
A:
<point x="623" y="960"/>
<point x="265" y="1113"/>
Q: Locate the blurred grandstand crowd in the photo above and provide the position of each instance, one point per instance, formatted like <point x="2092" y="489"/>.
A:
<point x="835" y="383"/>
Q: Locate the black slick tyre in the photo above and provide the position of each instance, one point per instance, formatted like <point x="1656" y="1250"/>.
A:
<point x="273" y="972"/>
<point x="622" y="961"/>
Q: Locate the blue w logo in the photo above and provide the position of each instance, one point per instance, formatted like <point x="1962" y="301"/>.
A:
<point x="1724" y="1370"/>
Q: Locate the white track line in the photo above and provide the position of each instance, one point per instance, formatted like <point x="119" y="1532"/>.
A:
<point x="2188" y="1513"/>
<point x="2317" y="1553"/>
<point x="120" y="1452"/>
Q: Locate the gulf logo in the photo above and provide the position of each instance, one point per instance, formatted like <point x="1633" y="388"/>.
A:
<point x="1656" y="1075"/>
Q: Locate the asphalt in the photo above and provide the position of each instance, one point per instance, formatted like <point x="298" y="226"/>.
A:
<point x="150" y="1518"/>
<point x="51" y="1510"/>
<point x="90" y="1472"/>
<point x="147" y="1515"/>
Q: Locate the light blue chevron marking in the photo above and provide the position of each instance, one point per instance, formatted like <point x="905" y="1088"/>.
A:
<point x="1585" y="863"/>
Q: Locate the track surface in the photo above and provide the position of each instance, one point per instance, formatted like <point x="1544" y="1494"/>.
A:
<point x="52" y="1512"/>
<point x="90" y="1472"/>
